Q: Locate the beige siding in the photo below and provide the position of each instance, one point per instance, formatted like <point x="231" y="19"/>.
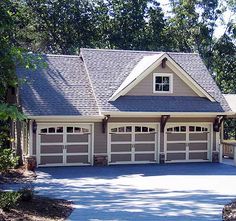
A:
<point x="145" y="87"/>
<point x="100" y="139"/>
<point x="34" y="143"/>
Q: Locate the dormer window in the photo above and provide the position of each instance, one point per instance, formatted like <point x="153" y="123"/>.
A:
<point x="162" y="83"/>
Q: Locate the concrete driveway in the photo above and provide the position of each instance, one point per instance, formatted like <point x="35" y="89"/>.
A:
<point x="181" y="192"/>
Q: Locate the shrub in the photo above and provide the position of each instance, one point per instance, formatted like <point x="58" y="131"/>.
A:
<point x="7" y="159"/>
<point x="27" y="193"/>
<point x="8" y="199"/>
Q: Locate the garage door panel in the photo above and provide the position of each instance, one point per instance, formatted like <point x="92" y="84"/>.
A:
<point x="77" y="159"/>
<point x="51" y="149"/>
<point x="175" y="156"/>
<point x="120" y="157"/>
<point x="120" y="147"/>
<point x="45" y="138"/>
<point x="176" y="146"/>
<point x="75" y="138"/>
<point x="198" y="136"/>
<point x="198" y="146"/>
<point x="77" y="148"/>
<point x="176" y="136"/>
<point x="144" y="147"/>
<point x="145" y="137"/>
<point x="51" y="159"/>
<point x="144" y="157"/>
<point x="198" y="156"/>
<point x="120" y="137"/>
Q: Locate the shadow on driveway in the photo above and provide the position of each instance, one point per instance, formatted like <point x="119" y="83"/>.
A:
<point x="142" y="192"/>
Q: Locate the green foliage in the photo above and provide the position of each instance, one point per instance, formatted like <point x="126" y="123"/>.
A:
<point x="9" y="199"/>
<point x="225" y="64"/>
<point x="10" y="112"/>
<point x="7" y="159"/>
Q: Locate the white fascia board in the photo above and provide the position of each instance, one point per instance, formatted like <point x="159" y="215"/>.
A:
<point x="140" y="71"/>
<point x="174" y="114"/>
<point x="66" y="118"/>
<point x="188" y="79"/>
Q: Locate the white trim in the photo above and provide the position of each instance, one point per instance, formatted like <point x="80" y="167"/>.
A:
<point x="91" y="84"/>
<point x="187" y="79"/>
<point x="173" y="65"/>
<point x="156" y="114"/>
<point x="170" y="75"/>
<point x="30" y="145"/>
<point x="132" y="142"/>
<point x="209" y="125"/>
<point x="66" y="117"/>
<point x="64" y="154"/>
<point x="123" y="90"/>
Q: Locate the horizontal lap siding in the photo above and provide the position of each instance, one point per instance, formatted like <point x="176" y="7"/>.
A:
<point x="100" y="139"/>
<point x="145" y="87"/>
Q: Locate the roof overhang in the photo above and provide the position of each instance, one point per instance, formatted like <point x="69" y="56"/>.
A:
<point x="173" y="114"/>
<point x="147" y="65"/>
<point x="66" y="118"/>
<point x="231" y="100"/>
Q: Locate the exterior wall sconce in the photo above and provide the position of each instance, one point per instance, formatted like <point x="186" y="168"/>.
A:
<point x="34" y="126"/>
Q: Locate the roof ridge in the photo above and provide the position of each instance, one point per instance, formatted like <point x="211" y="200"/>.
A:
<point x="134" y="51"/>
<point x="62" y="55"/>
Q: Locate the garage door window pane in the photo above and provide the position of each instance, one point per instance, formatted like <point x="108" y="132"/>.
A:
<point x="121" y="129"/>
<point x="183" y="128"/>
<point x="113" y="130"/>
<point x="51" y="130"/>
<point x="77" y="130"/>
<point x="151" y="129"/>
<point x="45" y="130"/>
<point x="128" y="129"/>
<point x="191" y="128"/>
<point x="137" y="129"/>
<point x="59" y="129"/>
<point x="85" y="130"/>
<point x="176" y="129"/>
<point x="144" y="129"/>
<point x="69" y="130"/>
<point x="198" y="129"/>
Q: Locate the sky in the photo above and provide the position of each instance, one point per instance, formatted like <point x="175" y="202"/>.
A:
<point x="220" y="27"/>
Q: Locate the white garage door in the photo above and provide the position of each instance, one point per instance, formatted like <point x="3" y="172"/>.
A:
<point x="61" y="145"/>
<point x="132" y="143"/>
<point x="187" y="143"/>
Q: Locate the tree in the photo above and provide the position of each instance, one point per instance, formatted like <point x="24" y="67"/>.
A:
<point x="192" y="26"/>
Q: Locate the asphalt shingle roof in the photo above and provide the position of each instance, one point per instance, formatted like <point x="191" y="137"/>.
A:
<point x="81" y="85"/>
<point x="62" y="88"/>
<point x="109" y="68"/>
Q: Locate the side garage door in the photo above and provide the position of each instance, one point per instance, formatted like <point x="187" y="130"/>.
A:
<point x="132" y="143"/>
<point x="60" y="145"/>
<point x="189" y="143"/>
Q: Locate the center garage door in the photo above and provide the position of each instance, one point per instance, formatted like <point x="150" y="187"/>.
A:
<point x="132" y="143"/>
<point x="62" y="145"/>
<point x="187" y="143"/>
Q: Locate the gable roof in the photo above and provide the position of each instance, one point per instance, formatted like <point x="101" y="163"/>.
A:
<point x="143" y="65"/>
<point x="82" y="85"/>
<point x="231" y="100"/>
<point x="146" y="65"/>
<point x="108" y="69"/>
<point x="62" y="88"/>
